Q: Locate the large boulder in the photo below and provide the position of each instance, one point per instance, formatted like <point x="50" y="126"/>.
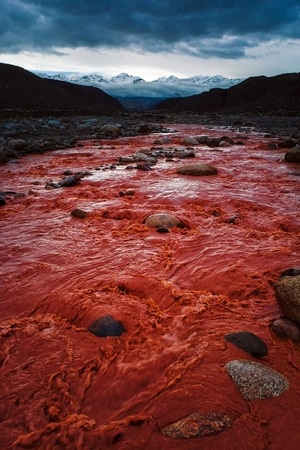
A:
<point x="198" y="424"/>
<point x="286" y="329"/>
<point x="16" y="144"/>
<point x="256" y="381"/>
<point x="248" y="342"/>
<point x="111" y="130"/>
<point x="198" y="169"/>
<point x="189" y="141"/>
<point x="293" y="154"/>
<point x="287" y="292"/>
<point x="106" y="326"/>
<point x="163" y="220"/>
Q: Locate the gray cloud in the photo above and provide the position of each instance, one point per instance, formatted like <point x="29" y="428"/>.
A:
<point x="223" y="29"/>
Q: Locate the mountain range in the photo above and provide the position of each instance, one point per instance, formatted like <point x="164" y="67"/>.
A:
<point x="134" y="92"/>
<point x="24" y="93"/>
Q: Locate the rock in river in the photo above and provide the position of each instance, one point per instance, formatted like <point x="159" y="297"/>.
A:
<point x="197" y="424"/>
<point x="287" y="292"/>
<point x="293" y="154"/>
<point x="256" y="381"/>
<point x="286" y="329"/>
<point x="248" y="342"/>
<point x="80" y="213"/>
<point x="106" y="326"/>
<point x="197" y="169"/>
<point x="163" y="220"/>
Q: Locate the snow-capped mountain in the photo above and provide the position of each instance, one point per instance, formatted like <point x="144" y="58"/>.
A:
<point x="129" y="86"/>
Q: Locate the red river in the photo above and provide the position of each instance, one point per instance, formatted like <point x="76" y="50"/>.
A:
<point x="177" y="294"/>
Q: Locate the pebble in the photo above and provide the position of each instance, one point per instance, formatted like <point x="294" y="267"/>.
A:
<point x="232" y="219"/>
<point x="128" y="192"/>
<point x="198" y="425"/>
<point x="256" y="381"/>
<point x="248" y="342"/>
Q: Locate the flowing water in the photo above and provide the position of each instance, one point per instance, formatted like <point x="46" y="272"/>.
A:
<point x="177" y="294"/>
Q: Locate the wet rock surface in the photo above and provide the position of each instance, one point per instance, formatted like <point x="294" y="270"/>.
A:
<point x="256" y="381"/>
<point x="106" y="326"/>
<point x="293" y="154"/>
<point x="248" y="342"/>
<point x="287" y="292"/>
<point x="286" y="329"/>
<point x="79" y="213"/>
<point x="163" y="221"/>
<point x="198" y="425"/>
<point x="197" y="170"/>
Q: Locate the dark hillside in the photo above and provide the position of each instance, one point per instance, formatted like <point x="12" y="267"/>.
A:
<point x="23" y="92"/>
<point x="279" y="94"/>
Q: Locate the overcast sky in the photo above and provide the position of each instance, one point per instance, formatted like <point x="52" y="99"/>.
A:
<point x="152" y="38"/>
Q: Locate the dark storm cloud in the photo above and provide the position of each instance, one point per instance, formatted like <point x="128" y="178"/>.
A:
<point x="199" y="27"/>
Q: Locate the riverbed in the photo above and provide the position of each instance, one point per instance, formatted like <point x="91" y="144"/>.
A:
<point x="177" y="293"/>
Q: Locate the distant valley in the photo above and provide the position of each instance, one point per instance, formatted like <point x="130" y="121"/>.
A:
<point x="134" y="92"/>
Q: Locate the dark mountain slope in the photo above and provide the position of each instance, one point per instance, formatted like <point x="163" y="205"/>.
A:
<point x="23" y="92"/>
<point x="279" y="94"/>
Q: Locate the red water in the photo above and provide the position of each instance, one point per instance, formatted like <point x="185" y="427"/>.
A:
<point x="177" y="295"/>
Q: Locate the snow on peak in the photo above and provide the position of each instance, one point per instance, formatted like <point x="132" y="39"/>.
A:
<point x="125" y="85"/>
<point x="124" y="78"/>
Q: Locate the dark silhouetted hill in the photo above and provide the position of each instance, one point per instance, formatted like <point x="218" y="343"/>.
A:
<point x="279" y="95"/>
<point x="23" y="92"/>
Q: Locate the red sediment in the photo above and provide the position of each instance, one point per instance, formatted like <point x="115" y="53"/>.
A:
<point x="177" y="295"/>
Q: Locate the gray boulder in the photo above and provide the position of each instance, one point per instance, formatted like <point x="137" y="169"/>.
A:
<point x="256" y="381"/>
<point x="111" y="130"/>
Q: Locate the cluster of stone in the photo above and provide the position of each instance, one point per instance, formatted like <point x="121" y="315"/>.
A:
<point x="19" y="137"/>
